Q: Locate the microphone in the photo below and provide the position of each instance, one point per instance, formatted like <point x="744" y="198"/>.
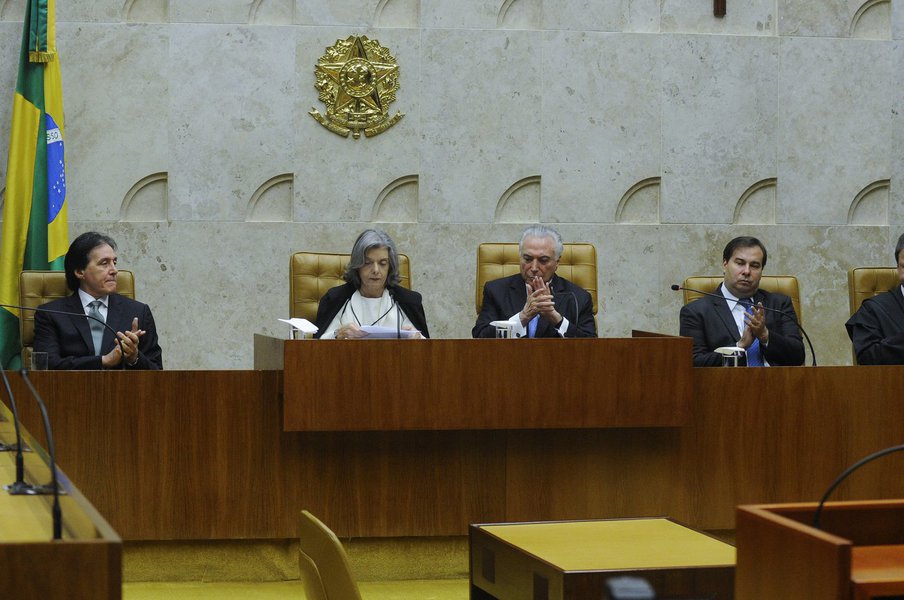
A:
<point x="844" y="476"/>
<point x="18" y="487"/>
<point x="54" y="487"/>
<point x="676" y="287"/>
<point x="122" y="362"/>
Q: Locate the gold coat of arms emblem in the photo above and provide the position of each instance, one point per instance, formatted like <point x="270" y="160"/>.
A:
<point x="357" y="79"/>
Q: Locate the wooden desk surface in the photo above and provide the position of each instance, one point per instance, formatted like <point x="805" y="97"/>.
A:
<point x="616" y="544"/>
<point x="572" y="560"/>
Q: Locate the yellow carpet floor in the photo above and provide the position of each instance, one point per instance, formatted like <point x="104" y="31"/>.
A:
<point x="442" y="589"/>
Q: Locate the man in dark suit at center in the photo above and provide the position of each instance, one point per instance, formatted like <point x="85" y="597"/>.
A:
<point x="736" y="315"/>
<point x="536" y="302"/>
<point x="75" y="341"/>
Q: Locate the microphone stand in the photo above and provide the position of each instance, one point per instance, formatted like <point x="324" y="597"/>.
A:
<point x="54" y="486"/>
<point x="18" y="487"/>
<point x="844" y="476"/>
<point x="676" y="287"/>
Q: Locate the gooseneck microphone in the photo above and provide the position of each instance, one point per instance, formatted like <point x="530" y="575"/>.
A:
<point x="18" y="487"/>
<point x="54" y="487"/>
<point x="791" y="317"/>
<point x="848" y="471"/>
<point x="122" y="362"/>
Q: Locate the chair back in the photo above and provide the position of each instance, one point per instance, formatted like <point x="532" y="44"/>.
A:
<point x="39" y="287"/>
<point x="774" y="284"/>
<point x="496" y="260"/>
<point x="312" y="274"/>
<point x="325" y="573"/>
<point x="866" y="282"/>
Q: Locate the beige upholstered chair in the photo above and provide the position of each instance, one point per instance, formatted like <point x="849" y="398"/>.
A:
<point x="325" y="573"/>
<point x="495" y="260"/>
<point x="39" y="287"/>
<point x="312" y="274"/>
<point x="781" y="284"/>
<point x="866" y="282"/>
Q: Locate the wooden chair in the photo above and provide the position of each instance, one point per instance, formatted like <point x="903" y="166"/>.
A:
<point x="39" y="287"/>
<point x="780" y="284"/>
<point x="312" y="274"/>
<point x="325" y="573"/>
<point x="495" y="260"/>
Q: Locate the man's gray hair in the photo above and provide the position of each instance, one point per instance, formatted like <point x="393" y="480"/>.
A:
<point x="542" y="231"/>
<point x="368" y="240"/>
<point x="899" y="247"/>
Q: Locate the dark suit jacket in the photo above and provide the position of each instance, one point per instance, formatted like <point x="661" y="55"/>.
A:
<point x="67" y="338"/>
<point x="877" y="329"/>
<point x="711" y="325"/>
<point x="335" y="298"/>
<point x="504" y="297"/>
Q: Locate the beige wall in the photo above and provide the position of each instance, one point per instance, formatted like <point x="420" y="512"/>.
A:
<point x="648" y="128"/>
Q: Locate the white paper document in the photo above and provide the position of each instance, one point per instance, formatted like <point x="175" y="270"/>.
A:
<point x="302" y="325"/>
<point x="375" y="331"/>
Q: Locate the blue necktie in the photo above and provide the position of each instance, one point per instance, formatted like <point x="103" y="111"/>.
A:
<point x="754" y="355"/>
<point x="532" y="326"/>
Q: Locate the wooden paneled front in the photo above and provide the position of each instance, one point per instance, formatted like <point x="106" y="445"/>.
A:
<point x="203" y="455"/>
<point x="391" y="385"/>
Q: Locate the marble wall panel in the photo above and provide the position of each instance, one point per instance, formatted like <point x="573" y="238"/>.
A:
<point x="340" y="179"/>
<point x="113" y="74"/>
<point x="96" y="11"/>
<point x="622" y="15"/>
<point x="348" y="13"/>
<point x="12" y="10"/>
<point x="718" y="123"/>
<point x="896" y="191"/>
<point x="232" y="97"/>
<point x="897" y="20"/>
<point x="816" y="18"/>
<point x="752" y="17"/>
<point x="481" y="132"/>
<point x="465" y="14"/>
<point x="221" y="11"/>
<point x="835" y="99"/>
<point x="601" y="121"/>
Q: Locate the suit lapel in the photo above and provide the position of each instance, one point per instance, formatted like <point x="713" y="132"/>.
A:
<point x="80" y="324"/>
<point x="720" y="305"/>
<point x="517" y="295"/>
<point x="114" y="320"/>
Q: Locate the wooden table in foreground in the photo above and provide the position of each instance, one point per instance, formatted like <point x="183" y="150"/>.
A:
<point x="572" y="560"/>
<point x="85" y="563"/>
<point x="857" y="554"/>
<point x="203" y="455"/>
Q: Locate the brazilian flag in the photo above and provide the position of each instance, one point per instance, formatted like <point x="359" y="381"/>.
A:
<point x="35" y="232"/>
